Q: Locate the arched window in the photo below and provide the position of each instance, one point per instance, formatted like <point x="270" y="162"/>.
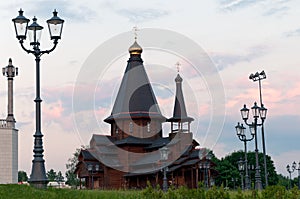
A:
<point x="148" y="127"/>
<point x="130" y="127"/>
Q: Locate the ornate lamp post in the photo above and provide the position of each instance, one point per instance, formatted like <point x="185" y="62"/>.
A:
<point x="241" y="169"/>
<point x="291" y="170"/>
<point x="234" y="180"/>
<point x="164" y="153"/>
<point x="205" y="165"/>
<point x="240" y="131"/>
<point x="38" y="177"/>
<point x="298" y="174"/>
<point x="298" y="169"/>
<point x="258" y="77"/>
<point x="256" y="112"/>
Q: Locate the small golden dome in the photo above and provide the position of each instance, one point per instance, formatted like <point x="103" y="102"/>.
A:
<point x="135" y="48"/>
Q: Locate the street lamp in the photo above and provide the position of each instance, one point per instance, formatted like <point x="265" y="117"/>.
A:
<point x="256" y="112"/>
<point x="291" y="170"/>
<point x="38" y="177"/>
<point x="241" y="169"/>
<point x="258" y="77"/>
<point x="93" y="169"/>
<point x="205" y="165"/>
<point x="298" y="169"/>
<point x="234" y="180"/>
<point x="164" y="153"/>
<point x="240" y="131"/>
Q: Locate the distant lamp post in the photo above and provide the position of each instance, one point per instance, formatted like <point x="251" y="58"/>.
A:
<point x="251" y="168"/>
<point x="298" y="169"/>
<point x="164" y="153"/>
<point x="205" y="165"/>
<point x="234" y="180"/>
<point x="258" y="77"/>
<point x="291" y="169"/>
<point x="240" y="131"/>
<point x="38" y="177"/>
<point x="256" y="112"/>
<point x="93" y="169"/>
<point x="241" y="169"/>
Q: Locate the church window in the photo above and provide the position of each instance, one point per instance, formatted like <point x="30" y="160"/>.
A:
<point x="130" y="127"/>
<point x="148" y="127"/>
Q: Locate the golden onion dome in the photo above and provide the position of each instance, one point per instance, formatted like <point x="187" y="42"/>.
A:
<point x="135" y="48"/>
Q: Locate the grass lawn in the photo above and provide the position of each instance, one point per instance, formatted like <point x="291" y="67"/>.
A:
<point x="27" y="192"/>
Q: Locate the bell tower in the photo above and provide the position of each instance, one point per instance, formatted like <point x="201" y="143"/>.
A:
<point x="9" y="134"/>
<point x="180" y="122"/>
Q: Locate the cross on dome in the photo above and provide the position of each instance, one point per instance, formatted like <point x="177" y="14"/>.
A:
<point x="178" y="64"/>
<point x="135" y="29"/>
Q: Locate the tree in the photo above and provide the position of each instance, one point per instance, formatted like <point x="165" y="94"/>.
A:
<point x="283" y="181"/>
<point x="228" y="174"/>
<point x="22" y="176"/>
<point x="59" y="177"/>
<point x="229" y="165"/>
<point x="72" y="179"/>
<point x="51" y="175"/>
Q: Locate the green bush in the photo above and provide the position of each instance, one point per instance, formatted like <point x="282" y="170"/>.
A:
<point x="25" y="192"/>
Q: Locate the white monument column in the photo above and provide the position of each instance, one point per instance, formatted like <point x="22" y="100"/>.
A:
<point x="8" y="134"/>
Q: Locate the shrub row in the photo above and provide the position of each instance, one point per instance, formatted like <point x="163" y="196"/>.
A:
<point x="25" y="192"/>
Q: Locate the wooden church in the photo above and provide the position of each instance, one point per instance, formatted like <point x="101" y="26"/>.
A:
<point x="136" y="151"/>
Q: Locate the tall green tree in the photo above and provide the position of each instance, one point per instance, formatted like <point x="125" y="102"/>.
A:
<point x="283" y="181"/>
<point x="71" y="177"/>
<point x="51" y="175"/>
<point x="22" y="176"/>
<point x="228" y="174"/>
<point x="228" y="167"/>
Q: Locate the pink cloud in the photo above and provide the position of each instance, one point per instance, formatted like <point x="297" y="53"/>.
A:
<point x="53" y="110"/>
<point x="279" y="99"/>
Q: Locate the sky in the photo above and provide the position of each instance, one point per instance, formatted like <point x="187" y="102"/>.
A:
<point x="235" y="37"/>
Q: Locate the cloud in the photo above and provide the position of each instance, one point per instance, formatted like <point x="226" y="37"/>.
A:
<point x="292" y="33"/>
<point x="283" y="159"/>
<point x="268" y="7"/>
<point x="53" y="111"/>
<point x="224" y="60"/>
<point x="235" y="4"/>
<point x="66" y="10"/>
<point x="276" y="11"/>
<point x="142" y="15"/>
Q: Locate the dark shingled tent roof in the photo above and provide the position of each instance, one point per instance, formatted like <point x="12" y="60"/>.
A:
<point x="179" y="113"/>
<point x="135" y="98"/>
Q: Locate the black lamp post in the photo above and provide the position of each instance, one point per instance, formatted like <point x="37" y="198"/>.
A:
<point x="205" y="165"/>
<point x="240" y="131"/>
<point x="258" y="77"/>
<point x="256" y="112"/>
<point x="291" y="170"/>
<point x="164" y="153"/>
<point x="241" y="169"/>
<point x="234" y="180"/>
<point x="298" y="169"/>
<point x="38" y="177"/>
<point x="93" y="169"/>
